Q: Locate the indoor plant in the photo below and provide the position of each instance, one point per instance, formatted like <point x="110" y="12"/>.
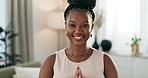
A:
<point x="135" y="44"/>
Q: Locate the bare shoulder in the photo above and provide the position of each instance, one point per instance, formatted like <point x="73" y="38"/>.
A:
<point x="107" y="57"/>
<point x="50" y="59"/>
<point x="47" y="67"/>
<point x="110" y="68"/>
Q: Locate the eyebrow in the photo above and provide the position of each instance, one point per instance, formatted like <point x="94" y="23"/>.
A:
<point x="72" y="21"/>
<point x="82" y="22"/>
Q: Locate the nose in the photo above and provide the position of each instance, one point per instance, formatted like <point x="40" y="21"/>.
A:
<point x="78" y="29"/>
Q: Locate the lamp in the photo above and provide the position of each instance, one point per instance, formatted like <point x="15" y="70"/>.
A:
<point x="56" y="20"/>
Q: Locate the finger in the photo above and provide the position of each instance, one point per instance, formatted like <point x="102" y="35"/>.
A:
<point x="80" y="73"/>
<point x="76" y="74"/>
<point x="78" y="67"/>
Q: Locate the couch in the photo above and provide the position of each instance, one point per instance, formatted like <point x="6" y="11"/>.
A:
<point x="8" y="72"/>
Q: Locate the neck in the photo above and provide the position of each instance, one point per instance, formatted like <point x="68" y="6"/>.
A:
<point x="78" y="50"/>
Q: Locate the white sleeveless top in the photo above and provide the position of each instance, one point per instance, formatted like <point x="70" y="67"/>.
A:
<point x="93" y="67"/>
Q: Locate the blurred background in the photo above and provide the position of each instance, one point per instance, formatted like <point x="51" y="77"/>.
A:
<point x="31" y="30"/>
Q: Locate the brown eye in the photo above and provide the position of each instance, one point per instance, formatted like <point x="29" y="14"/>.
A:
<point x="85" y="25"/>
<point x="72" y="25"/>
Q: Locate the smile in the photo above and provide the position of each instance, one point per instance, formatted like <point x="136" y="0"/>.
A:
<point x="78" y="37"/>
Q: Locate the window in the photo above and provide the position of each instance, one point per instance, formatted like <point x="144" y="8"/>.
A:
<point x="123" y="21"/>
<point x="2" y="22"/>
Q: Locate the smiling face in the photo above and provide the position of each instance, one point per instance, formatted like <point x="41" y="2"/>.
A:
<point x="78" y="26"/>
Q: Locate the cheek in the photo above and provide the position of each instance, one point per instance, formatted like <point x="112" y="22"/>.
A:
<point x="89" y="30"/>
<point x="88" y="33"/>
<point x="68" y="32"/>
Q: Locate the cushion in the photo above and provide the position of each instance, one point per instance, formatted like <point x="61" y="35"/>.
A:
<point x="27" y="72"/>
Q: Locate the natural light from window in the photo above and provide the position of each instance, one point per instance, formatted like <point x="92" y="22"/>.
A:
<point x="121" y="24"/>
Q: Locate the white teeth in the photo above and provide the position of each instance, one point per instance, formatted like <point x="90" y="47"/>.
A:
<point x="78" y="37"/>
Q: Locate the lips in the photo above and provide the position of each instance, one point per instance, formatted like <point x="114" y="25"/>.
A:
<point x="78" y="37"/>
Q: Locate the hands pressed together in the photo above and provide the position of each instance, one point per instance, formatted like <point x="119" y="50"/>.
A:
<point x="78" y="73"/>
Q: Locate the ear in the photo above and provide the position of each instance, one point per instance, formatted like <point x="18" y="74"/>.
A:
<point x="65" y="25"/>
<point x="66" y="28"/>
<point x="92" y="26"/>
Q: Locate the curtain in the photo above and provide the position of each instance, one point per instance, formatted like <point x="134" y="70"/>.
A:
<point x="21" y="18"/>
<point x="121" y="24"/>
<point x="144" y="25"/>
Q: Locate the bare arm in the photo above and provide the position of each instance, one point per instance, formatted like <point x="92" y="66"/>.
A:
<point x="47" y="67"/>
<point x="110" y="69"/>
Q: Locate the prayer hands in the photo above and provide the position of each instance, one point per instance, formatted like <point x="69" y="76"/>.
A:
<point x="78" y="73"/>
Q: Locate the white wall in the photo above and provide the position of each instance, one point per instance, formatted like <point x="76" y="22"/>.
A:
<point x="143" y="24"/>
<point x="45" y="39"/>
